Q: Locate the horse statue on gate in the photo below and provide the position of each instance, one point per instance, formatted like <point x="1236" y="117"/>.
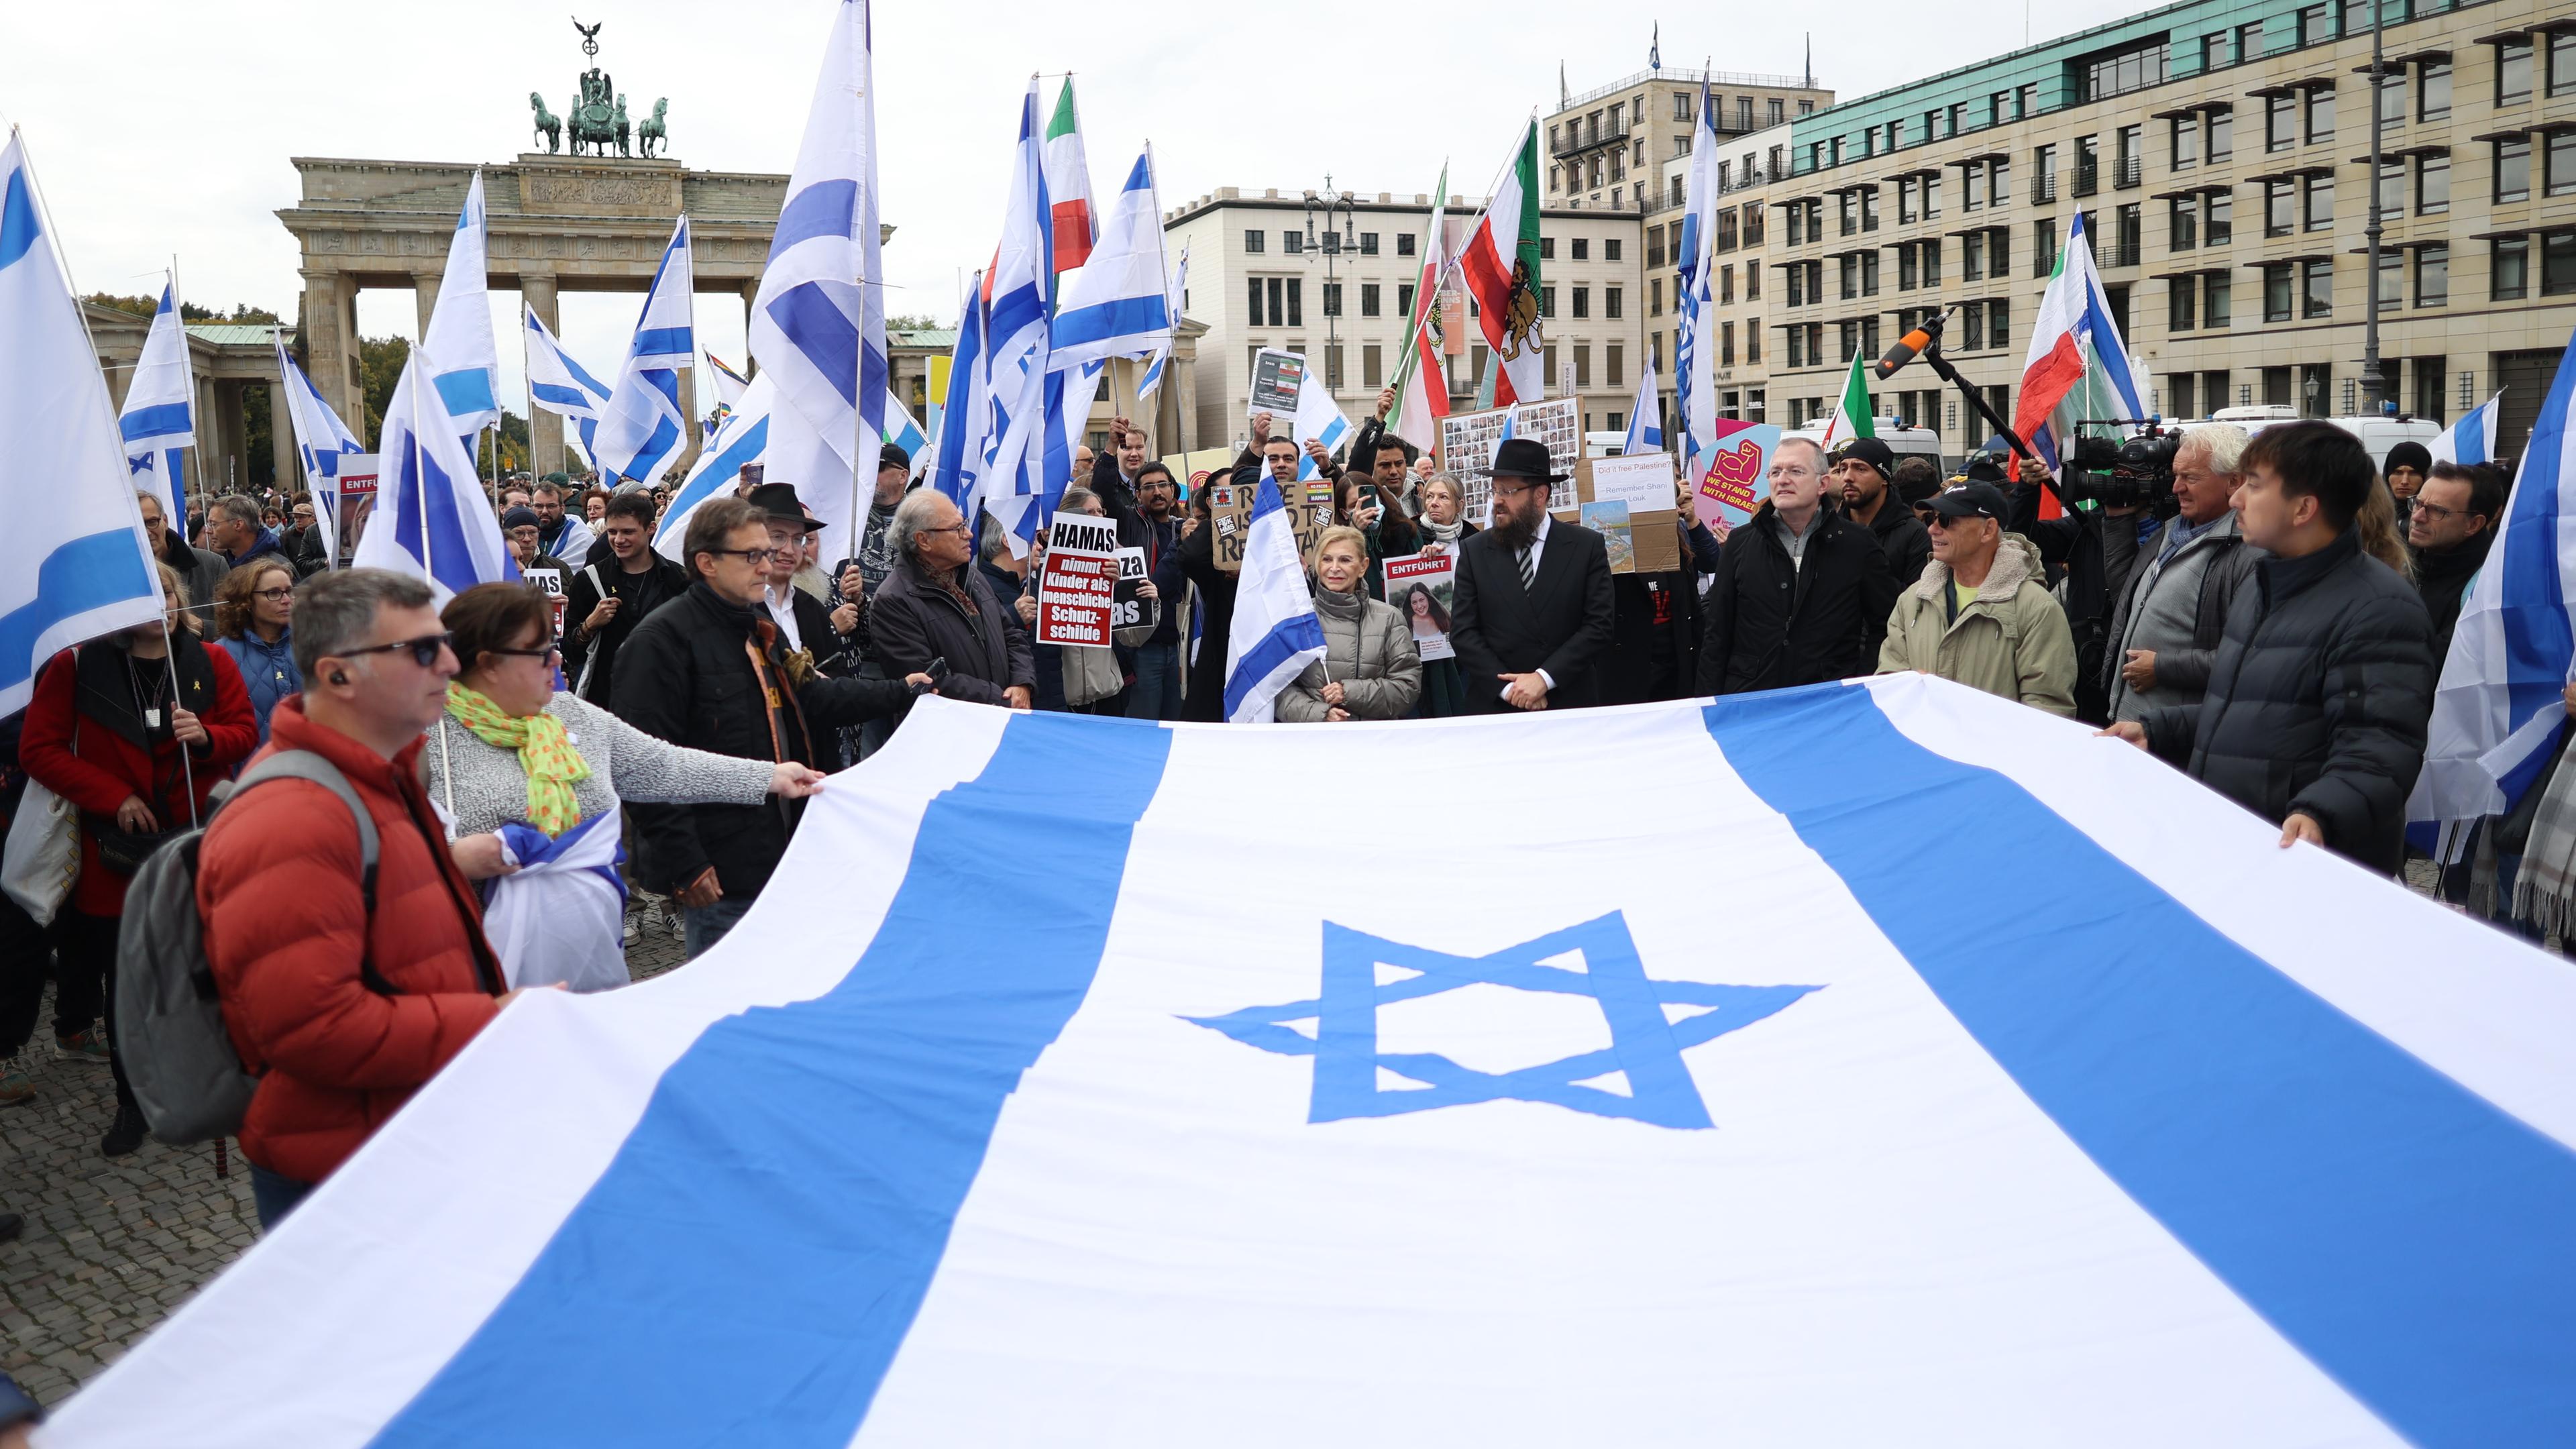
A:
<point x="654" y="129"/>
<point x="623" y="136"/>
<point x="547" y="125"/>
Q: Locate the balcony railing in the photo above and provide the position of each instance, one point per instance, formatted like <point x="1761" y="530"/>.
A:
<point x="2120" y="254"/>
<point x="2043" y="187"/>
<point x="1584" y="138"/>
<point x="2128" y="172"/>
<point x="2088" y="178"/>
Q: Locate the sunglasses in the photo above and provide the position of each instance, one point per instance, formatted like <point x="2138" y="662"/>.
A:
<point x="424" y="650"/>
<point x="550" y="651"/>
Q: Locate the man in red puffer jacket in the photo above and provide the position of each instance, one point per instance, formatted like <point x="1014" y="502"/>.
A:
<point x="286" y="927"/>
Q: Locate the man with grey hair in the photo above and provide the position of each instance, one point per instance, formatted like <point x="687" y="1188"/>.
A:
<point x="234" y="529"/>
<point x="933" y="606"/>
<point x="2165" y="626"/>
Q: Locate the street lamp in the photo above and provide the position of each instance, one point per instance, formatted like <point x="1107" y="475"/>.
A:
<point x="1340" y="220"/>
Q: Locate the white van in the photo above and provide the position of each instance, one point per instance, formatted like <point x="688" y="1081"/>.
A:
<point x="2378" y="434"/>
<point x="1901" y="440"/>
<point x="1604" y="445"/>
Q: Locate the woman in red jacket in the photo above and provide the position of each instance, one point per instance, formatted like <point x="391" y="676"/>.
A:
<point x="134" y="730"/>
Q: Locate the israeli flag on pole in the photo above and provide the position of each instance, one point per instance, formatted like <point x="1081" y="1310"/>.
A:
<point x="73" y="564"/>
<point x="2473" y="438"/>
<point x="431" y="519"/>
<point x="2143" y="1161"/>
<point x="642" y="425"/>
<point x="2500" y="706"/>
<point x="743" y="438"/>
<point x="1645" y="425"/>
<point x="1319" y="419"/>
<point x="1015" y="295"/>
<point x="561" y="385"/>
<point x="321" y="440"/>
<point x="1118" y="304"/>
<point x="819" y="319"/>
<point x="1276" y="634"/>
<point x="1180" y="291"/>
<point x="1694" y="355"/>
<point x="460" y="325"/>
<point x="160" y="414"/>
<point x="967" y="413"/>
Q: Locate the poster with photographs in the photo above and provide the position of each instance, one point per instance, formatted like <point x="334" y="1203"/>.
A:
<point x="1468" y="441"/>
<point x="1418" y="585"/>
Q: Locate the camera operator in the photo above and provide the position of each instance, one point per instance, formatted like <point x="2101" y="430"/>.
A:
<point x="2166" y="624"/>
<point x="2087" y="555"/>
<point x="2318" y="699"/>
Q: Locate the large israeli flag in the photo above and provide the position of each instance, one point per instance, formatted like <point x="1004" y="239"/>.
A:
<point x="1276" y="634"/>
<point x="1178" y="293"/>
<point x="1832" y="1146"/>
<point x="73" y="563"/>
<point x="431" y="518"/>
<point x="1118" y="304"/>
<point x="160" y="408"/>
<point x="642" y="425"/>
<point x="1694" y="352"/>
<point x="819" y="319"/>
<point x="562" y="386"/>
<point x="460" y="325"/>
<point x="2473" y="438"/>
<point x="1015" y="328"/>
<point x="2500" y="707"/>
<point x="321" y="441"/>
<point x="743" y="438"/>
<point x="966" y="414"/>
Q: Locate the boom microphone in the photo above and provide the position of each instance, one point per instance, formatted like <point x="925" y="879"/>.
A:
<point x="1911" y="345"/>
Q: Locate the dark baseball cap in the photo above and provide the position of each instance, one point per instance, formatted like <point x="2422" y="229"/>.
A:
<point x="890" y="456"/>
<point x="1970" y="500"/>
<point x="1867" y="450"/>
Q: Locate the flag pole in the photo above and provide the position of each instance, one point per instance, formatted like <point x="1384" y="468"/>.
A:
<point x="196" y="454"/>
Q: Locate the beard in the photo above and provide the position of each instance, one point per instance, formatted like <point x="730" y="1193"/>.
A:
<point x="1519" y="532"/>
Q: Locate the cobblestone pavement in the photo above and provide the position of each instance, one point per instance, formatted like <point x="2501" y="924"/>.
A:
<point x="112" y="1244"/>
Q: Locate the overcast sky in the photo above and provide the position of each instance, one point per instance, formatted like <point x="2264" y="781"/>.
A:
<point x="161" y="128"/>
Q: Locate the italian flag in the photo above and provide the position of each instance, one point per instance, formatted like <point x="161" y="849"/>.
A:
<point x="1421" y="383"/>
<point x="1068" y="183"/>
<point x="1500" y="263"/>
<point x="2077" y="366"/>
<point x="1851" y="415"/>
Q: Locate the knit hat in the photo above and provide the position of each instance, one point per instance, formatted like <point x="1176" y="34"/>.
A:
<point x="1868" y="450"/>
<point x="2408" y="454"/>
<point x="520" y="518"/>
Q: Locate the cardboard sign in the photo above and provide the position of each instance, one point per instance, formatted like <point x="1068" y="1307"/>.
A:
<point x="1468" y="441"/>
<point x="357" y="500"/>
<point x="1128" y="608"/>
<point x="1419" y="587"/>
<point x="1078" y="583"/>
<point x="1277" y="378"/>
<point x="1310" y="512"/>
<point x="1652" y="538"/>
<point x="1194" y="469"/>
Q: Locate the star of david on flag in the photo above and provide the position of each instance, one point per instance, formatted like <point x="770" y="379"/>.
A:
<point x="1639" y="1076"/>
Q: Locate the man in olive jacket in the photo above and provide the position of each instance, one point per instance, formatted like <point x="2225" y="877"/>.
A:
<point x="1980" y="616"/>
<point x="2323" y="685"/>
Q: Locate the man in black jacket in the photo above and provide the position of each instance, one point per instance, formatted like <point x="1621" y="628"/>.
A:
<point x="1531" y="612"/>
<point x="617" y="588"/>
<point x="1863" y="474"/>
<point x="1801" y="595"/>
<point x="933" y="606"/>
<point x="711" y="671"/>
<point x="2449" y="531"/>
<point x="2318" y="699"/>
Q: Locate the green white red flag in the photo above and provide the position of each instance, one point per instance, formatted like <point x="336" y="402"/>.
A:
<point x="1500" y="263"/>
<point x="1068" y="183"/>
<point x="1851" y="415"/>
<point x="1421" y="381"/>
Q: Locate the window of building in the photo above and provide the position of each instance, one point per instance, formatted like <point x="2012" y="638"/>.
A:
<point x="1582" y="249"/>
<point x="2321" y="114"/>
<point x="2216" y="292"/>
<point x="1292" y="242"/>
<point x="1753" y="340"/>
<point x="2280" y="122"/>
<point x="2392" y="97"/>
<point x="2391" y="280"/>
<point x="1906" y="272"/>
<point x="2316" y="287"/>
<point x="2043" y="169"/>
<point x="1849" y="332"/>
<point x="1614" y="365"/>
<point x="1972" y="326"/>
<point x="1850" y="269"/>
<point x="1972" y="257"/>
<point x="1368" y="299"/>
<point x="2116" y="73"/>
<point x="1610" y="249"/>
<point x="1797" y="347"/>
<point x="2182" y="223"/>
<point x="1905" y="213"/>
<point x="1999" y="326"/>
<point x="1655" y="246"/>
<point x="1752" y="223"/>
<point x="2178" y="387"/>
<point x="1256" y="242"/>
<point x="1654" y="296"/>
<point x="1372" y="365"/>
<point x="1869" y="273"/>
<point x="1610" y="303"/>
<point x="1368" y="243"/>
<point x="2558" y="263"/>
<point x="2513" y="72"/>
<point x="2026" y="101"/>
<point x="1725" y="235"/>
<point x="1726" y="344"/>
<point x="2513" y="169"/>
<point x="1797" y="285"/>
<point x="1333" y="367"/>
<point x="2433" y="90"/>
<point x="2280" y="200"/>
<point x="2319" y="212"/>
<point x="2183" y="142"/>
<point x="2088" y="165"/>
<point x="2221" y="141"/>
<point x="1332" y="299"/>
<point x="1547" y="301"/>
<point x="1931" y="249"/>
<point x="1582" y="365"/>
<point x="2276" y="292"/>
<point x="2043" y="246"/>
<point x="2433" y="276"/>
<point x="1404" y="299"/>
<point x="1847" y="211"/>
<point x="1774" y="110"/>
<point x="2562" y="62"/>
<point x="1726" y="281"/>
<point x="2249" y="41"/>
<point x="1682" y="106"/>
<point x="2432" y="184"/>
<point x="1998" y="181"/>
<point x="1547" y="249"/>
<point x="2558" y="170"/>
<point x="2182" y="303"/>
<point x="1752" y="281"/>
<point x="2390" y="194"/>
<point x="2316" y="25"/>
<point x="1998" y="252"/>
<point x="2217" y="217"/>
<point x="2508" y="268"/>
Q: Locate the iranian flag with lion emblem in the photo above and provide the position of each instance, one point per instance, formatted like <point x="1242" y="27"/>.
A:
<point x="1500" y="262"/>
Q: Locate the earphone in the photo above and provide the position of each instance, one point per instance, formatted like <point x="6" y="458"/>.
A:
<point x="339" y="676"/>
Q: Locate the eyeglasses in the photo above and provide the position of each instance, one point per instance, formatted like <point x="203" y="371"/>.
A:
<point x="2437" y="512"/>
<point x="760" y="555"/>
<point x="551" y="651"/>
<point x="950" y="528"/>
<point x="271" y="595"/>
<point x="424" y="650"/>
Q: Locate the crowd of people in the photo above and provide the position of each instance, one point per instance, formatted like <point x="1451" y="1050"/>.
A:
<point x="544" y="793"/>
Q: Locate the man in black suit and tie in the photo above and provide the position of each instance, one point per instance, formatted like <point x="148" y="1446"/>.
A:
<point x="1530" y="612"/>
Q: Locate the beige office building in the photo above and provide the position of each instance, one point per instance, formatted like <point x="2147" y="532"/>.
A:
<point x="1608" y="149"/>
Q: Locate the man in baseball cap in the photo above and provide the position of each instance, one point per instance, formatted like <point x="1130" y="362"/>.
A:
<point x="1864" y="470"/>
<point x="1980" y="615"/>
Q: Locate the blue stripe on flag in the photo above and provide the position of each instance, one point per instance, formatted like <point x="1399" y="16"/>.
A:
<point x="18" y="227"/>
<point x="84" y="574"/>
<point x="2415" y="1242"/>
<point x="154" y="422"/>
<point x="571" y="397"/>
<point x="661" y="342"/>
<point x="712" y="478"/>
<point x="1284" y="642"/>
<point x="826" y="208"/>
<point x="2538" y="648"/>
<point x="466" y="391"/>
<point x="647" y="463"/>
<point x="753" y="1257"/>
<point x="1123" y="317"/>
<point x="808" y="317"/>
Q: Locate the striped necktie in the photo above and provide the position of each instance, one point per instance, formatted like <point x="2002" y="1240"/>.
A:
<point x="1529" y="571"/>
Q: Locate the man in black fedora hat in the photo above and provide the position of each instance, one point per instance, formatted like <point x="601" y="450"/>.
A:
<point x="1531" y="612"/>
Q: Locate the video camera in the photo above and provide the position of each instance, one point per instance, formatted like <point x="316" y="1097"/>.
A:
<point x="2120" y="469"/>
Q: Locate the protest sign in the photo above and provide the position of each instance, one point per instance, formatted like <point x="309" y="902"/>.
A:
<point x="1129" y="608"/>
<point x="1732" y="474"/>
<point x="1610" y="520"/>
<point x="1468" y="441"/>
<point x="357" y="500"/>
<point x="1077" y="585"/>
<point x="1419" y="585"/>
<point x="1277" y="378"/>
<point x="1310" y="512"/>
<point x="1643" y="482"/>
<point x="549" y="582"/>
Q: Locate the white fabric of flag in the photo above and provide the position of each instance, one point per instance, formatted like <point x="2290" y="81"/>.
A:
<point x="1015" y="297"/>
<point x="967" y="411"/>
<point x="1119" y="303"/>
<point x="2473" y="438"/>
<point x="1275" y="634"/>
<point x="728" y="383"/>
<point x="819" y="318"/>
<point x="1694" y="352"/>
<point x="642" y="425"/>
<point x="2500" y="708"/>
<point x="1319" y="419"/>
<point x="73" y="563"/>
<point x="1830" y="1152"/>
<point x="743" y="438"/>
<point x="160" y="407"/>
<point x="321" y="441"/>
<point x="559" y="383"/>
<point x="1173" y="298"/>
<point x="460" y="324"/>
<point x="431" y="518"/>
<point x="1645" y="429"/>
<point x="905" y="433"/>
